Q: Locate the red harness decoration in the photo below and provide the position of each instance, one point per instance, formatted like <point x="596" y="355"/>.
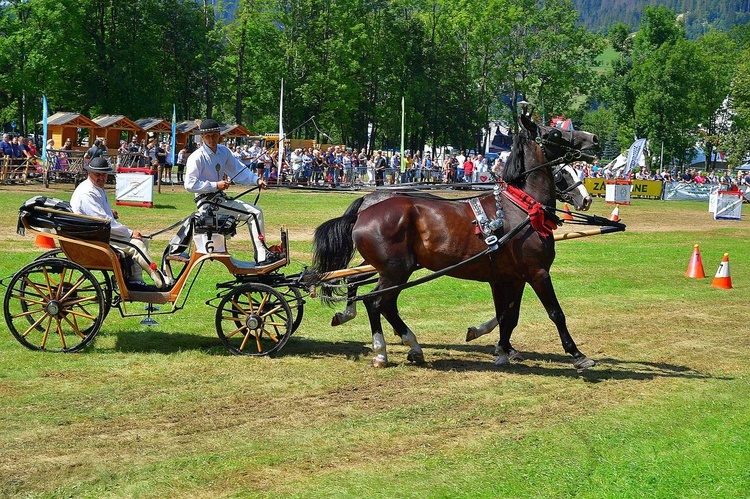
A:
<point x="542" y="223"/>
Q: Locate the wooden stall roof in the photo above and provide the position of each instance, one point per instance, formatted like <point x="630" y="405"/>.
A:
<point x="186" y="126"/>
<point x="70" y="120"/>
<point x="154" y="125"/>
<point x="116" y="122"/>
<point x="234" y="131"/>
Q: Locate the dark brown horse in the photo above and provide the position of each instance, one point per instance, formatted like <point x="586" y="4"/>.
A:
<point x="568" y="189"/>
<point x="403" y="233"/>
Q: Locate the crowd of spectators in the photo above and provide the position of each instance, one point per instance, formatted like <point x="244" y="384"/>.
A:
<point x="686" y="176"/>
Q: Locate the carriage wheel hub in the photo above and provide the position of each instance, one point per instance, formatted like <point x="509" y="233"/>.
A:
<point x="253" y="321"/>
<point x="53" y="307"/>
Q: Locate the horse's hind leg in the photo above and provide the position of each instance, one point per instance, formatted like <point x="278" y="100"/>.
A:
<point x="484" y="328"/>
<point x="507" y="297"/>
<point x="390" y="312"/>
<point x="542" y="285"/>
<point x="350" y="312"/>
<point x="380" y="354"/>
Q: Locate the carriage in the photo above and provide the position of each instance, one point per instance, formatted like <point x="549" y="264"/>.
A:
<point x="59" y="301"/>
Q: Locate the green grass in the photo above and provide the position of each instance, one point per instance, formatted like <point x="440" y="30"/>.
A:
<point x="166" y="411"/>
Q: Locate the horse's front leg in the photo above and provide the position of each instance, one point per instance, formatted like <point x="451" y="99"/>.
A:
<point x="542" y="285"/>
<point x="507" y="297"/>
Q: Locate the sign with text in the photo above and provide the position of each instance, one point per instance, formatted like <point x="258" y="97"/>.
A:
<point x="134" y="189"/>
<point x="728" y="205"/>
<point x="617" y="191"/>
<point x="210" y="243"/>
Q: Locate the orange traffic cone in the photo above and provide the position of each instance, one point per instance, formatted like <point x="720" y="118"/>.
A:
<point x="695" y="267"/>
<point x="44" y="242"/>
<point x="723" y="280"/>
<point x="615" y="216"/>
<point x="567" y="216"/>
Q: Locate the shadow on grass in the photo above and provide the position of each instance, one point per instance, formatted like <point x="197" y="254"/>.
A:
<point x="539" y="364"/>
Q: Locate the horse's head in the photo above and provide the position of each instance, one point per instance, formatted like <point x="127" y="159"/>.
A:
<point x="570" y="189"/>
<point x="556" y="143"/>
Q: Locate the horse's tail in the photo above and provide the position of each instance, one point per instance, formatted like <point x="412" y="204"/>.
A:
<point x="353" y="208"/>
<point x="333" y="249"/>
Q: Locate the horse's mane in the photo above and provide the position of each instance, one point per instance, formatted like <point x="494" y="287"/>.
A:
<point x="513" y="172"/>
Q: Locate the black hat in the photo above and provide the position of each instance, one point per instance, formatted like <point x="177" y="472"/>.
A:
<point x="208" y="126"/>
<point x="99" y="165"/>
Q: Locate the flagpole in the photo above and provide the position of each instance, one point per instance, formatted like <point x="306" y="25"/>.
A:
<point x="403" y="154"/>
<point x="280" y="159"/>
<point x="45" y="165"/>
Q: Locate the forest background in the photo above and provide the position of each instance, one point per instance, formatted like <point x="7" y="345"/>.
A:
<point x="677" y="73"/>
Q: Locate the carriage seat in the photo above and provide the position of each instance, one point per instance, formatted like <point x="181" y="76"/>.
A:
<point x="80" y="235"/>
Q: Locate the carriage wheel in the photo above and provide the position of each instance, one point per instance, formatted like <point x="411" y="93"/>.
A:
<point x="296" y="302"/>
<point x="254" y="319"/>
<point x="106" y="281"/>
<point x="54" y="305"/>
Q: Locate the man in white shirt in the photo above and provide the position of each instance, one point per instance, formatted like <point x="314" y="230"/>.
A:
<point x="204" y="176"/>
<point x="90" y="199"/>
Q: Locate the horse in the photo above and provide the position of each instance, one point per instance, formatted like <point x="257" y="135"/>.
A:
<point x="404" y="233"/>
<point x="568" y="189"/>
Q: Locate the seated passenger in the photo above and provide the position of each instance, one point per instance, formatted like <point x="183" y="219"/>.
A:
<point x="90" y="199"/>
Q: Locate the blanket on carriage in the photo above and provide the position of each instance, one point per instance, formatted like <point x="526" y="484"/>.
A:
<point x="63" y="221"/>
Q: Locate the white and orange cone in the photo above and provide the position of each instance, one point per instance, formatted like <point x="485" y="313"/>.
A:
<point x="695" y="267"/>
<point x="723" y="280"/>
<point x="567" y="215"/>
<point x="615" y="216"/>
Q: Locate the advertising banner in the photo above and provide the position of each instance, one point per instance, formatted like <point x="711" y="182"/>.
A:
<point x="134" y="189"/>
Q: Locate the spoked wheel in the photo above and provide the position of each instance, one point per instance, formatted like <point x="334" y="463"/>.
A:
<point x="254" y="319"/>
<point x="296" y="302"/>
<point x="54" y="305"/>
<point x="106" y="281"/>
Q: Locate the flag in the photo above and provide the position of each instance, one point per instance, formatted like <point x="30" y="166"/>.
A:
<point x="44" y="128"/>
<point x="280" y="160"/>
<point x="174" y="134"/>
<point x="635" y="154"/>
<point x="403" y="156"/>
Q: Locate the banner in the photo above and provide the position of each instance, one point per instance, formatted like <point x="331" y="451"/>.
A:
<point x="640" y="188"/>
<point x="634" y="156"/>
<point x="678" y="191"/>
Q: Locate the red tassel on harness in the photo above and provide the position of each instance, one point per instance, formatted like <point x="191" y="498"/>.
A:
<point x="537" y="216"/>
<point x="152" y="266"/>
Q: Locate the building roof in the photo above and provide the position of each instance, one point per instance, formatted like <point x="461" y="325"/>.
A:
<point x="69" y="119"/>
<point x="154" y="124"/>
<point x="234" y="131"/>
<point x="116" y="121"/>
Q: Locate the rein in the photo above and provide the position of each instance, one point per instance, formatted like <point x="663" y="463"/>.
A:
<point x="497" y="244"/>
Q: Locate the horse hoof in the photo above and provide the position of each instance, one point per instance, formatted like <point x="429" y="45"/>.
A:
<point x="379" y="363"/>
<point x="471" y="334"/>
<point x="502" y="360"/>
<point x="416" y="357"/>
<point x="336" y="321"/>
<point x="515" y="355"/>
<point x="583" y="363"/>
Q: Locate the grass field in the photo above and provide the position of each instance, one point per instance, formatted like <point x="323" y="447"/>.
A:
<point x="167" y="412"/>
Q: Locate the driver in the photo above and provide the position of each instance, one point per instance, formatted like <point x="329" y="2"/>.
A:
<point x="204" y="176"/>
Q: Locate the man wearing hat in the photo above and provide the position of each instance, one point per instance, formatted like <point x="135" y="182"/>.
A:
<point x="204" y="176"/>
<point x="90" y="199"/>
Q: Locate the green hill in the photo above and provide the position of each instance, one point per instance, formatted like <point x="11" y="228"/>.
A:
<point x="698" y="15"/>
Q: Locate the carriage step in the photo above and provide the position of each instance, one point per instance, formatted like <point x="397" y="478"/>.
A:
<point x="182" y="258"/>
